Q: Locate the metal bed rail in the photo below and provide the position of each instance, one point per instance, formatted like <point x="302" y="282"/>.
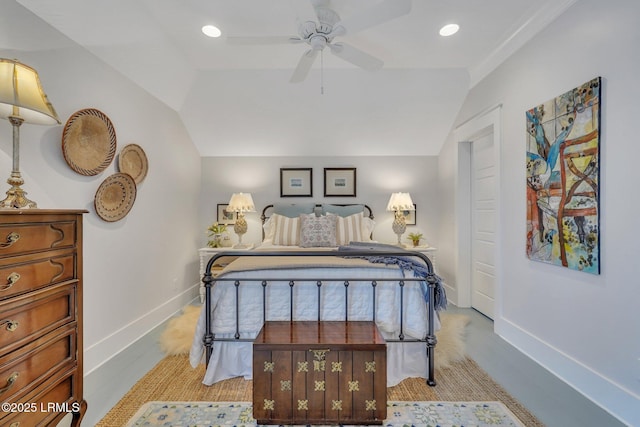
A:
<point x="431" y="281"/>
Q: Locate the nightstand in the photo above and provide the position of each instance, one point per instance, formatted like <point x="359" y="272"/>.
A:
<point x="429" y="251"/>
<point x="205" y="255"/>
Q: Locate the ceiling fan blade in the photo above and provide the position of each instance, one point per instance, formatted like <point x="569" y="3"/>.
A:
<point x="305" y="10"/>
<point x="304" y="65"/>
<point x="263" y="40"/>
<point x="356" y="56"/>
<point x="375" y="15"/>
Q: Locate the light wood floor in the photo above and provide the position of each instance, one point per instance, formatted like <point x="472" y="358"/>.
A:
<point x="548" y="398"/>
<point x="552" y="401"/>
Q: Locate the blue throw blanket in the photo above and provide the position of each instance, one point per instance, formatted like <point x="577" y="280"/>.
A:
<point x="412" y="263"/>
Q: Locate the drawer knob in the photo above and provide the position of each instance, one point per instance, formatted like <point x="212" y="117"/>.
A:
<point x="12" y="325"/>
<point x="11" y="280"/>
<point x="10" y="240"/>
<point x="10" y="382"/>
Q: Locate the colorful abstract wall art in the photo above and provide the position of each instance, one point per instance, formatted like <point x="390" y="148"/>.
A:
<point x="563" y="141"/>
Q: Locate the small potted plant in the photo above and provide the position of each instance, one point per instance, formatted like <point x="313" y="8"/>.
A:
<point x="216" y="231"/>
<point x="415" y="238"/>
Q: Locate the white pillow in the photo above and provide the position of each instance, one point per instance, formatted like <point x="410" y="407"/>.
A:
<point x="368" y="225"/>
<point x="317" y="231"/>
<point x="269" y="229"/>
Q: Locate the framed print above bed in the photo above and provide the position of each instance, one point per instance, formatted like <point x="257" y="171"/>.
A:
<point x="296" y="182"/>
<point x="340" y="182"/>
<point x="226" y="216"/>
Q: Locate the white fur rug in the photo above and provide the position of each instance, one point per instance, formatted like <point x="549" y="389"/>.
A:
<point x="451" y="339"/>
<point x="178" y="335"/>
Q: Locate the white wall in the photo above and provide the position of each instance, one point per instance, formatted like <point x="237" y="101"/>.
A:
<point x="585" y="328"/>
<point x="141" y="269"/>
<point x="376" y="178"/>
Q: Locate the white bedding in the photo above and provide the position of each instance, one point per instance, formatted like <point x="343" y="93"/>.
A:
<point x="232" y="359"/>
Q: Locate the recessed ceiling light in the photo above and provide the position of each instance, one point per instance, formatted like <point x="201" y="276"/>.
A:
<point x="211" y="31"/>
<point x="449" y="30"/>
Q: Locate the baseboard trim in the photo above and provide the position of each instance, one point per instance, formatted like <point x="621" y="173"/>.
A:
<point x="99" y="353"/>
<point x="611" y="397"/>
<point x="106" y="384"/>
<point x="452" y="294"/>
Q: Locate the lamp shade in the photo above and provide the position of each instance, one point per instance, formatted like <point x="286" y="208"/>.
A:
<point x="241" y="202"/>
<point x="21" y="94"/>
<point x="400" y="202"/>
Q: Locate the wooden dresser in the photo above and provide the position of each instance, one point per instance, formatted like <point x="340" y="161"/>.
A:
<point x="319" y="373"/>
<point x="40" y="317"/>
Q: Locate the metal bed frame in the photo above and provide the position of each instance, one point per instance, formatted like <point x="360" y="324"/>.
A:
<point x="431" y="280"/>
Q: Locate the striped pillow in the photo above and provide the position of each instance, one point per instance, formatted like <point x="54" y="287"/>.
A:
<point x="286" y="231"/>
<point x="349" y="229"/>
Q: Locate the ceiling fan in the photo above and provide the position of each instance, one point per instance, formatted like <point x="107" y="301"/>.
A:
<point x="324" y="25"/>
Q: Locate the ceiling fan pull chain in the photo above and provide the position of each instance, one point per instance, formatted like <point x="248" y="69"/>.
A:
<point x="322" y="72"/>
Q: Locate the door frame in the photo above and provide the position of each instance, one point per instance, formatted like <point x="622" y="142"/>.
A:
<point x="480" y="125"/>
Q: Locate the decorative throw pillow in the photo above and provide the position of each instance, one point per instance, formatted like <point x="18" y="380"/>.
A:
<point x="293" y="210"/>
<point x="317" y="231"/>
<point x="286" y="231"/>
<point x="343" y="211"/>
<point x="349" y="229"/>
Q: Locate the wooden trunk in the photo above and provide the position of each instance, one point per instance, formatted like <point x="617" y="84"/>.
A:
<point x="319" y="373"/>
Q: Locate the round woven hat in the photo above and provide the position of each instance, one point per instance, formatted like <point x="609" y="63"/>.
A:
<point x="133" y="160"/>
<point x="115" y="196"/>
<point x="88" y="141"/>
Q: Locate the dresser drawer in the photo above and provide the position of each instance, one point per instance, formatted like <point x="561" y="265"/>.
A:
<point x="28" y="317"/>
<point x="32" y="364"/>
<point x="23" y="274"/>
<point x="46" y="403"/>
<point x="319" y="373"/>
<point x="18" y="238"/>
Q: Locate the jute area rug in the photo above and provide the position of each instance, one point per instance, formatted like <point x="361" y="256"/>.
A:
<point x="173" y="379"/>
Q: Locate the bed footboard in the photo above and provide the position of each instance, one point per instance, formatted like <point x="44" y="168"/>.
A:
<point x="428" y="277"/>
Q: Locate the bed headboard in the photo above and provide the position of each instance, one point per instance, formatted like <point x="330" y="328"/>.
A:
<point x="265" y="216"/>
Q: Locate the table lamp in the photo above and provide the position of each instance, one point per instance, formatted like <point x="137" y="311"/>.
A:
<point x="21" y="100"/>
<point x="399" y="203"/>
<point x="241" y="203"/>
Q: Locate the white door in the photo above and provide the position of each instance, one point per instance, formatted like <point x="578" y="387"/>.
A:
<point x="483" y="225"/>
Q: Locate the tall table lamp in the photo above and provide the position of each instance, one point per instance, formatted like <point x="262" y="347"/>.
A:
<point x="241" y="203"/>
<point x="21" y="100"/>
<point x="399" y="203"/>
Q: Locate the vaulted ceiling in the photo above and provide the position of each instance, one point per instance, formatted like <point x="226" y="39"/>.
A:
<point x="237" y="99"/>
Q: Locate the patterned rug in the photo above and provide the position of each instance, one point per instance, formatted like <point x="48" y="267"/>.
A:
<point x="405" y="414"/>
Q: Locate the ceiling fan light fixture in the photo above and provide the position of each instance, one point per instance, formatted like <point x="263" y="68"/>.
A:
<point x="449" y="30"/>
<point x="320" y="31"/>
<point x="318" y="42"/>
<point x="211" y="31"/>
